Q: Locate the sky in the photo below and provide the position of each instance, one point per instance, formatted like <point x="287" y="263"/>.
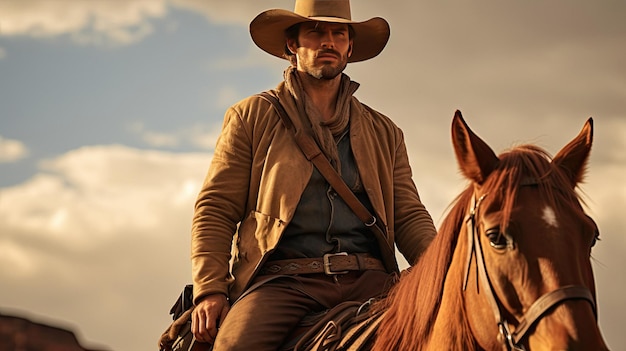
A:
<point x="109" y="112"/>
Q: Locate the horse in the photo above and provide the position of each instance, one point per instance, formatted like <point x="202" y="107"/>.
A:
<point x="510" y="266"/>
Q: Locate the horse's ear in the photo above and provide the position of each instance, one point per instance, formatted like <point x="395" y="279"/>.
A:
<point x="476" y="159"/>
<point x="573" y="157"/>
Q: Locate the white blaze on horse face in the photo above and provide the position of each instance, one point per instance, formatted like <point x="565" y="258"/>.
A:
<point x="550" y="217"/>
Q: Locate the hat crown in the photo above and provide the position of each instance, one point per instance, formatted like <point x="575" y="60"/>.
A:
<point x="268" y="28"/>
<point x="323" y="8"/>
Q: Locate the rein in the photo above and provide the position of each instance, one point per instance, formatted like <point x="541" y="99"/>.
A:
<point x="512" y="339"/>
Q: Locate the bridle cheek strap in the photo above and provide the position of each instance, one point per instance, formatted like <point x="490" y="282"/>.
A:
<point x="547" y="301"/>
<point x="537" y="309"/>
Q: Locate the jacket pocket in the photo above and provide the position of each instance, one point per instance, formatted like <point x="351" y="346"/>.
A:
<point x="258" y="235"/>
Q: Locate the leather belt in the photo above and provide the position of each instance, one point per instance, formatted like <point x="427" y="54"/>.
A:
<point x="330" y="264"/>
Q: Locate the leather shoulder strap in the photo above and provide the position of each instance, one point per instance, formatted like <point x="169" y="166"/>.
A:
<point x="314" y="154"/>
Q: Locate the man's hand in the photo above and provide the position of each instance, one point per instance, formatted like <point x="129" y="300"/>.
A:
<point x="207" y="315"/>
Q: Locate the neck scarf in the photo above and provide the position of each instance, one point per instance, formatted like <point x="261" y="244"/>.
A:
<point x="324" y="133"/>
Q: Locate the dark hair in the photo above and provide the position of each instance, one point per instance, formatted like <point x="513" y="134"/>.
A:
<point x="292" y="33"/>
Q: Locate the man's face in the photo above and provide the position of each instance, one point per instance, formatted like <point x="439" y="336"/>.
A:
<point x="324" y="49"/>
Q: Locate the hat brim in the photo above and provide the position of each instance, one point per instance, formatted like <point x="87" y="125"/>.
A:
<point x="268" y="33"/>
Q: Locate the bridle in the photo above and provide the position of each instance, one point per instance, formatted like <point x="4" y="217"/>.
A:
<point x="512" y="339"/>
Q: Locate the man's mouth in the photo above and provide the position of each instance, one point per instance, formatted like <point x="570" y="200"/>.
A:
<point x="327" y="55"/>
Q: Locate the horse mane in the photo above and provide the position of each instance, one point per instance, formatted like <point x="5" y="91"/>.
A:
<point x="413" y="303"/>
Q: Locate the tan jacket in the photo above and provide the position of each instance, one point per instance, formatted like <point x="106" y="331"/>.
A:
<point x="258" y="174"/>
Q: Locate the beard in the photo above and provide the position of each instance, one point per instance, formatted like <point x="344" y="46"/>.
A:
<point x="326" y="71"/>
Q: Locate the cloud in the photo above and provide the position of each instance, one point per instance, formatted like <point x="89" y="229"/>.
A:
<point x="204" y="136"/>
<point x="101" y="233"/>
<point x="564" y="57"/>
<point x="253" y="58"/>
<point x="201" y="135"/>
<point x="99" y="229"/>
<point x="95" y="193"/>
<point x="11" y="150"/>
<point x="3" y="53"/>
<point x="227" y="95"/>
<point x="231" y="12"/>
<point x="152" y="138"/>
<point x="86" y="21"/>
<point x="103" y="22"/>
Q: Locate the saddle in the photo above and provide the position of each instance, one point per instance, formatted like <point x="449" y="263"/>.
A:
<point x="348" y="326"/>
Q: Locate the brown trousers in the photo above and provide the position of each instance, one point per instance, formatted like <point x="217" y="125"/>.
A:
<point x="266" y="316"/>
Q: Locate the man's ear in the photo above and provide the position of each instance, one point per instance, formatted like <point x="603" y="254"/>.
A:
<point x="350" y="49"/>
<point x="292" y="46"/>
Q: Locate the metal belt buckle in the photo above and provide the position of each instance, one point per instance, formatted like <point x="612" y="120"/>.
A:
<point x="327" y="264"/>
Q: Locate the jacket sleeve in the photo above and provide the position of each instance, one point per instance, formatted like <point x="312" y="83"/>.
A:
<point x="414" y="227"/>
<point x="219" y="208"/>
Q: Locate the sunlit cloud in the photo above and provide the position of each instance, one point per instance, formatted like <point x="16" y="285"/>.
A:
<point x="227" y="96"/>
<point x="605" y="194"/>
<point x="615" y="129"/>
<point x="253" y="58"/>
<point x="202" y="136"/>
<point x="11" y="150"/>
<point x="235" y="12"/>
<point x="111" y="223"/>
<point x="95" y="193"/>
<point x="153" y="138"/>
<point x="160" y="139"/>
<point x="103" y="22"/>
<point x="94" y="224"/>
<point x="16" y="257"/>
<point x="98" y="22"/>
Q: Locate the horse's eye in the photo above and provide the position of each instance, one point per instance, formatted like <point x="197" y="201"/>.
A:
<point x="596" y="238"/>
<point x="497" y="240"/>
<point x="596" y="231"/>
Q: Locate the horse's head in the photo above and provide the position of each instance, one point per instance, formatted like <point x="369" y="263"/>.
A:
<point x="527" y="243"/>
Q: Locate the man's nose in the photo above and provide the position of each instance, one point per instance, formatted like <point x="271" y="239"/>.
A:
<point x="328" y="41"/>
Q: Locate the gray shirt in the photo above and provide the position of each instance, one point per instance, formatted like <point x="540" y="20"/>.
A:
<point x="323" y="222"/>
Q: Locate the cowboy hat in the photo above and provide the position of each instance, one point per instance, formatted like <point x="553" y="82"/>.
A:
<point x="268" y="28"/>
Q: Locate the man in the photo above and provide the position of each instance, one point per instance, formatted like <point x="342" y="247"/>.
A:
<point x="267" y="202"/>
